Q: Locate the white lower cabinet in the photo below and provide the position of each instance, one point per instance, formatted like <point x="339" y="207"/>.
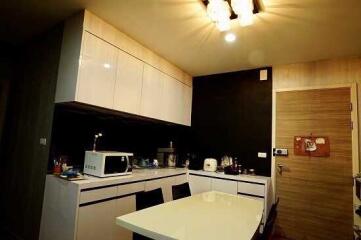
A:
<point x="124" y="206"/>
<point x="199" y="184"/>
<point x="225" y="186"/>
<point x="96" y="221"/>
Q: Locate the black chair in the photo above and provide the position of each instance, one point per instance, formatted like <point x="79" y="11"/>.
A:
<point x="268" y="228"/>
<point x="181" y="191"/>
<point x="145" y="200"/>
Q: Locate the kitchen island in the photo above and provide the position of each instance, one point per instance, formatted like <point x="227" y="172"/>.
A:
<point x="86" y="209"/>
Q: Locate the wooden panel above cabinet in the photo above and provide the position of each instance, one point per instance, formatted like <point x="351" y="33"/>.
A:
<point x="103" y="67"/>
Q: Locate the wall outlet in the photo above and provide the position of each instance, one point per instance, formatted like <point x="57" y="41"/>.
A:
<point x="262" y="155"/>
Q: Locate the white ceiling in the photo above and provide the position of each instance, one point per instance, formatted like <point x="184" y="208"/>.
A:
<point x="288" y="31"/>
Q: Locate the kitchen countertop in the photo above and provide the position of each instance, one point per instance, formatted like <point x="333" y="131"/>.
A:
<point x="137" y="175"/>
<point x="146" y="174"/>
<point x="241" y="177"/>
<point x="198" y="217"/>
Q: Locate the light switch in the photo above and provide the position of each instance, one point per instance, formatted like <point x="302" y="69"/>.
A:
<point x="262" y="155"/>
<point x="43" y="141"/>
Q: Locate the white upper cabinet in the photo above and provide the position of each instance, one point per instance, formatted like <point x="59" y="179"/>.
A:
<point x="152" y="93"/>
<point x="128" y="86"/>
<point x="97" y="72"/>
<point x="101" y="66"/>
<point x="173" y="100"/>
<point x="187" y="109"/>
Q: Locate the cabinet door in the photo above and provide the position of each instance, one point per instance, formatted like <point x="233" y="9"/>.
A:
<point x="128" y="85"/>
<point x="97" y="72"/>
<point x="164" y="183"/>
<point x="187" y="109"/>
<point x="225" y="186"/>
<point x="124" y="206"/>
<point x="173" y="100"/>
<point x="96" y="221"/>
<point x="199" y="184"/>
<point x="152" y="93"/>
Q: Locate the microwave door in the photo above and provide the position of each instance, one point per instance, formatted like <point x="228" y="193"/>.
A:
<point x="115" y="164"/>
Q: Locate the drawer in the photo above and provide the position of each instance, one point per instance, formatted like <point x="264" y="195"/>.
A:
<point x="251" y="189"/>
<point x="97" y="194"/>
<point x="226" y="186"/>
<point x="130" y="188"/>
<point x="181" y="179"/>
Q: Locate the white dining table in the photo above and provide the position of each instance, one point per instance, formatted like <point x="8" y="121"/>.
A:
<point x="209" y="215"/>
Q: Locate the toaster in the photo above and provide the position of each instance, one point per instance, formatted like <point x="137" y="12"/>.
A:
<point x="210" y="165"/>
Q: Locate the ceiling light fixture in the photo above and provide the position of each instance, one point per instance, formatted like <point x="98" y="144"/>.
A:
<point x="230" y="37"/>
<point x="219" y="12"/>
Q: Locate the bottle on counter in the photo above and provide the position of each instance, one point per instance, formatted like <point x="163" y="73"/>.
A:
<point x="172" y="157"/>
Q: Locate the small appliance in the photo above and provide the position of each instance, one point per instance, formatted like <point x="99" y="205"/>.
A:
<point x="107" y="164"/>
<point x="210" y="165"/>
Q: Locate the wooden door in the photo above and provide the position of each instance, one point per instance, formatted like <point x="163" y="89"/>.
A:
<point x="128" y="86"/>
<point x="97" y="72"/>
<point x="315" y="192"/>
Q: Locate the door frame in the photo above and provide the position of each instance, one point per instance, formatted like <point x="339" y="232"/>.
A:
<point x="354" y="137"/>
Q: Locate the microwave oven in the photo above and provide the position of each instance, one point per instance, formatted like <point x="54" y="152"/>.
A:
<point x="107" y="164"/>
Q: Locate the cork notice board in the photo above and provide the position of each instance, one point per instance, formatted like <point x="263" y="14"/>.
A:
<point x="312" y="146"/>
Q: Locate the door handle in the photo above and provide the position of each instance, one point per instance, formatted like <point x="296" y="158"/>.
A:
<point x="280" y="168"/>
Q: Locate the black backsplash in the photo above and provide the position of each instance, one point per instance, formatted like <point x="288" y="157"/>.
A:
<point x="75" y="125"/>
<point x="232" y="114"/>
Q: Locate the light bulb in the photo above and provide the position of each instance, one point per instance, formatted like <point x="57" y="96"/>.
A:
<point x="244" y="10"/>
<point x="230" y="37"/>
<point x="219" y="12"/>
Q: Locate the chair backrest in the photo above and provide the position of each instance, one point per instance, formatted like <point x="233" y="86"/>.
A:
<point x="149" y="198"/>
<point x="267" y="231"/>
<point x="181" y="191"/>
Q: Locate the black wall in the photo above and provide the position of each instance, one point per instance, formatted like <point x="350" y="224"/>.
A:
<point x="28" y="118"/>
<point x="232" y="114"/>
<point x="74" y="128"/>
<point x="7" y="68"/>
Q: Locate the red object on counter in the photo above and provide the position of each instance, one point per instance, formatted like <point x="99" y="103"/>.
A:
<point x="57" y="169"/>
